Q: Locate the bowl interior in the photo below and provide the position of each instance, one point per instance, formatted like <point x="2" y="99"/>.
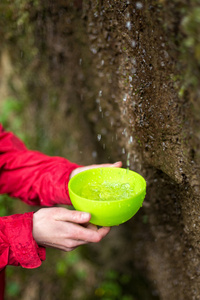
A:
<point x="107" y="184"/>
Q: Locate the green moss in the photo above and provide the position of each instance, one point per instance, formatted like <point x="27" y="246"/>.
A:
<point x="190" y="47"/>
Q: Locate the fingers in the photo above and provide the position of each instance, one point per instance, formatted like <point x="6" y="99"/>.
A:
<point x="118" y="164"/>
<point x="64" y="229"/>
<point x="78" y="170"/>
<point x="91" y="226"/>
<point x="101" y="233"/>
<point x="89" y="234"/>
<point x="80" y="233"/>
<point x="90" y="237"/>
<point x="74" y="216"/>
<point x="104" y="231"/>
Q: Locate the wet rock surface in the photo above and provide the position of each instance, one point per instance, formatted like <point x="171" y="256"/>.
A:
<point x="136" y="58"/>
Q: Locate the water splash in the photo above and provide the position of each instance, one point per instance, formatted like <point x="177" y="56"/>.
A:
<point x="139" y="5"/>
<point x="125" y="98"/>
<point x="93" y="50"/>
<point x="133" y="43"/>
<point x="107" y="191"/>
<point x="123" y="150"/>
<point x="98" y="137"/>
<point x="94" y="154"/>
<point x="128" y="25"/>
<point x="130" y="140"/>
<point x="128" y="162"/>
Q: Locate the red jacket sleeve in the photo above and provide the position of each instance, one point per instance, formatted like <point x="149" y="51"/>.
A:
<point x="36" y="179"/>
<point x="17" y="246"/>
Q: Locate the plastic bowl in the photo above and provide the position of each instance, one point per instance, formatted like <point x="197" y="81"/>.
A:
<point x="111" y="195"/>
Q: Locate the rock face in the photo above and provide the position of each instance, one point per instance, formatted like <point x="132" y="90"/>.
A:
<point x="131" y="70"/>
<point x="146" y="106"/>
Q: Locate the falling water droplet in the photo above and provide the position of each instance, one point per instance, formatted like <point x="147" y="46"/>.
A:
<point x="164" y="146"/>
<point x="94" y="154"/>
<point x="128" y="25"/>
<point x="125" y="98"/>
<point x="99" y="137"/>
<point x="128" y="162"/>
<point x="139" y="5"/>
<point x="133" y="43"/>
<point x="130" y="139"/>
<point x="133" y="70"/>
<point x="93" y="50"/>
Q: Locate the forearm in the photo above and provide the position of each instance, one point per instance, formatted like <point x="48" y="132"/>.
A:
<point x="34" y="177"/>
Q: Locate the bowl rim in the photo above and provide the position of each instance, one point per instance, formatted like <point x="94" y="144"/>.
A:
<point x="106" y="201"/>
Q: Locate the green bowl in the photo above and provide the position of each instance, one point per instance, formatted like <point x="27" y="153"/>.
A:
<point x="111" y="195"/>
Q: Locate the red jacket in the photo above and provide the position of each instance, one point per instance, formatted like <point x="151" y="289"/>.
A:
<point x="36" y="179"/>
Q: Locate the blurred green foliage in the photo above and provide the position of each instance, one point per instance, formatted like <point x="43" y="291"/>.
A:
<point x="10" y="117"/>
<point x="191" y="26"/>
<point x="6" y="205"/>
<point x="111" y="288"/>
<point x="13" y="286"/>
<point x="189" y="47"/>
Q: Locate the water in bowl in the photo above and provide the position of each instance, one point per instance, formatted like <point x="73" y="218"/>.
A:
<point x="107" y="191"/>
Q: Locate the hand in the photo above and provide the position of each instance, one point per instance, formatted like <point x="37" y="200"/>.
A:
<point x="78" y="170"/>
<point x="65" y="229"/>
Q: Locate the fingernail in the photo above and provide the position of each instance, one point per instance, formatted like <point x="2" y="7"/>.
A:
<point x="85" y="216"/>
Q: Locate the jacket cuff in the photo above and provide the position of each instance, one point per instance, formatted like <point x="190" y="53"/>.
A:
<point x="20" y="248"/>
